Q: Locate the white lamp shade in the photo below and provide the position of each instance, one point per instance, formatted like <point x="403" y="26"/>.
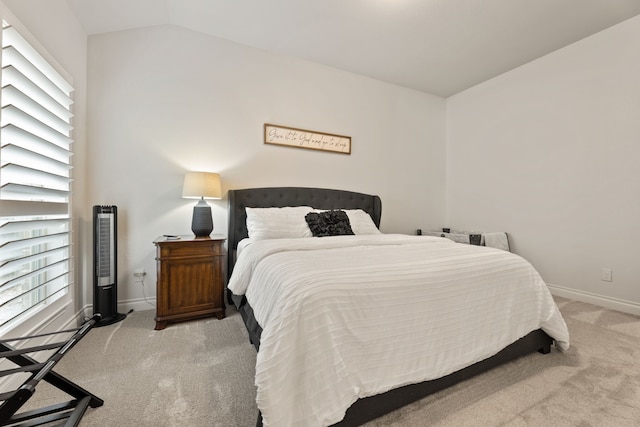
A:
<point x="201" y="184"/>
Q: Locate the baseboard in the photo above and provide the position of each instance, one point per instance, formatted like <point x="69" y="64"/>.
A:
<point x="124" y="306"/>
<point x="139" y="304"/>
<point x="595" y="299"/>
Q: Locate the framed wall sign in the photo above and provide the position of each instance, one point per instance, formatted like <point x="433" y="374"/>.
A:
<point x="300" y="138"/>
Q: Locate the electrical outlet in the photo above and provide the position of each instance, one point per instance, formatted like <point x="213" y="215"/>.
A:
<point x="139" y="273"/>
<point x="606" y="275"/>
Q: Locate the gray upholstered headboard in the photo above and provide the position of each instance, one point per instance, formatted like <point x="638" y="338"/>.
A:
<point x="318" y="198"/>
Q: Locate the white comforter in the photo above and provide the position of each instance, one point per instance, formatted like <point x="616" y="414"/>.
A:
<point x="347" y="317"/>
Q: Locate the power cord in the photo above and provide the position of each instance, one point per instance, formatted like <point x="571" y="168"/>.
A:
<point x="144" y="293"/>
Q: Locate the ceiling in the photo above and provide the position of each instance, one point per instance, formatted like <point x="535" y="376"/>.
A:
<point x="436" y="46"/>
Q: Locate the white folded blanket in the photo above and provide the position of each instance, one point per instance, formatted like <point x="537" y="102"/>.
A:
<point x="498" y="239"/>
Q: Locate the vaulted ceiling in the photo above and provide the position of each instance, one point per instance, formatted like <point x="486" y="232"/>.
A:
<point x="436" y="46"/>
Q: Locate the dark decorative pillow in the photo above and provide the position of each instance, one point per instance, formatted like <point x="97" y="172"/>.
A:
<point x="329" y="223"/>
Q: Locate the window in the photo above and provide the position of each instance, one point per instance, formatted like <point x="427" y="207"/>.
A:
<point x="35" y="183"/>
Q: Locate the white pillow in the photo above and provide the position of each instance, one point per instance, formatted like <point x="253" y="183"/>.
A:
<point x="278" y="223"/>
<point x="361" y="222"/>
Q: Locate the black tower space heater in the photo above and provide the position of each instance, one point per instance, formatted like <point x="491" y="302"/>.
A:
<point x="105" y="255"/>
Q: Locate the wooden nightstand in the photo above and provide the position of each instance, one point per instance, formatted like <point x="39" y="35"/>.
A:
<point x="190" y="278"/>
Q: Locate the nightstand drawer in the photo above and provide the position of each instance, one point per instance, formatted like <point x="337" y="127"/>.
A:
<point x="194" y="248"/>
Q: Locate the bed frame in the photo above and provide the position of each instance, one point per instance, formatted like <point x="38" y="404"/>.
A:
<point x="369" y="408"/>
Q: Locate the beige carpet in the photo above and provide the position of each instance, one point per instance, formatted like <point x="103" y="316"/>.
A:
<point x="596" y="383"/>
<point x="201" y="374"/>
<point x="197" y="373"/>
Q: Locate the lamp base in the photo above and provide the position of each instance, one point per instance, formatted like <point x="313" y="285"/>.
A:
<point x="202" y="221"/>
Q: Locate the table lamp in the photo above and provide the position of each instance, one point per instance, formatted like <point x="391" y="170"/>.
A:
<point x="201" y="185"/>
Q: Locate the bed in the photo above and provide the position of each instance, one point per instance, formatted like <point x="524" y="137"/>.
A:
<point x="314" y="307"/>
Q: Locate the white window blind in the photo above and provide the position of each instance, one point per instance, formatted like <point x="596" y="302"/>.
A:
<point x="35" y="184"/>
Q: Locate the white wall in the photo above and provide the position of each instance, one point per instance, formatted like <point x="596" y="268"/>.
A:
<point x="164" y="100"/>
<point x="547" y="152"/>
<point x="57" y="30"/>
<point x="550" y="153"/>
